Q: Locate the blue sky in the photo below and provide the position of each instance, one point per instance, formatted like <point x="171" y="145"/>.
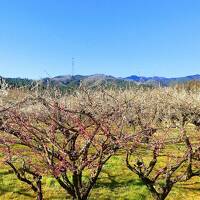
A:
<point x="116" y="37"/>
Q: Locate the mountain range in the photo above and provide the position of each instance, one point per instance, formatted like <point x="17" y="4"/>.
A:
<point x="156" y="80"/>
<point x="102" y="79"/>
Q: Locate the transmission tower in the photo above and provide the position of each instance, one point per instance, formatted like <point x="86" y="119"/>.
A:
<point x="73" y="65"/>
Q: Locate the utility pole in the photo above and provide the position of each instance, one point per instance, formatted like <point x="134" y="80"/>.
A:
<point x="73" y="65"/>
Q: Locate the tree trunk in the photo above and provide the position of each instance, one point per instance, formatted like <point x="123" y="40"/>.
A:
<point x="159" y="196"/>
<point x="39" y="188"/>
<point x="39" y="196"/>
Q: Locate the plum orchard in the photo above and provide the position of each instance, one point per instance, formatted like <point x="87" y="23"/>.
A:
<point x="71" y="141"/>
<point x="72" y="137"/>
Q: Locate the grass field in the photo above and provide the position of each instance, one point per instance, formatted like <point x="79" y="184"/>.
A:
<point x="116" y="182"/>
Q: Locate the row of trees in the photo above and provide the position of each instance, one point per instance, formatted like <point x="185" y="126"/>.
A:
<point x="72" y="137"/>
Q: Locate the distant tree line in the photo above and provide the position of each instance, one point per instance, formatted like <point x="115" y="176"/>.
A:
<point x="193" y="85"/>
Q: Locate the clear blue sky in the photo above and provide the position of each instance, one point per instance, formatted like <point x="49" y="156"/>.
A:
<point x="116" y="37"/>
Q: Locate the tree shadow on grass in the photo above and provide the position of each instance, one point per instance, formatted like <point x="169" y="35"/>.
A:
<point x="187" y="187"/>
<point x="23" y="192"/>
<point x="4" y="173"/>
<point x="3" y="191"/>
<point x="113" y="184"/>
<point x="11" y="187"/>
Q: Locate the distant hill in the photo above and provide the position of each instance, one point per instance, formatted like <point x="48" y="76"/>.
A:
<point x="156" y="80"/>
<point x="91" y="81"/>
<point x="18" y="82"/>
<point x="68" y="81"/>
<point x="101" y="79"/>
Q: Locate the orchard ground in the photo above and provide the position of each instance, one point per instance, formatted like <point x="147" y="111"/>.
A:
<point x="116" y="182"/>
